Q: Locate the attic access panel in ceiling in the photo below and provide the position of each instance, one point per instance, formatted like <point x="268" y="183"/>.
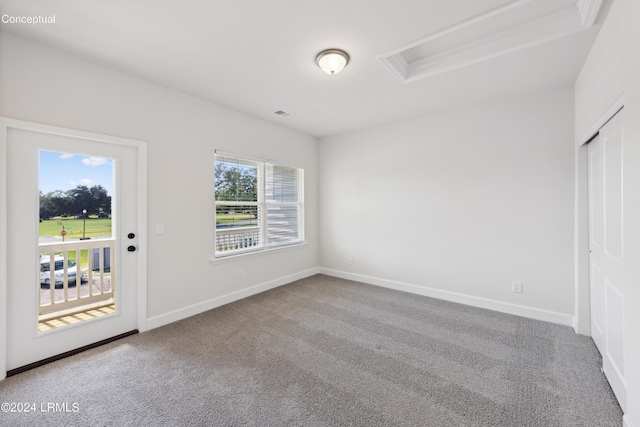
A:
<point x="508" y="29"/>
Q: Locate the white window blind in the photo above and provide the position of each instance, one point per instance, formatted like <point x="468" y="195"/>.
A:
<point x="259" y="205"/>
<point x="283" y="203"/>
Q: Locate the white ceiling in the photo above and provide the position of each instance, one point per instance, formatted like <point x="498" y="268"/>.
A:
<point x="257" y="56"/>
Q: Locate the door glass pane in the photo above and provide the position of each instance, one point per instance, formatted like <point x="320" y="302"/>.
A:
<point x="75" y="237"/>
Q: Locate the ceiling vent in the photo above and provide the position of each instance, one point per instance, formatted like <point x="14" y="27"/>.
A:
<point x="507" y="29"/>
<point x="282" y="113"/>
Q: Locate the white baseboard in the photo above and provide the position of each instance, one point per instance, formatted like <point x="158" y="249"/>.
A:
<point x="582" y="327"/>
<point x="192" y="310"/>
<point x="626" y="422"/>
<point x="504" y="307"/>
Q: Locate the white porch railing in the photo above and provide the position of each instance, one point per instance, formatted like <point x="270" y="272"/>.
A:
<point x="98" y="271"/>
<point x="231" y="239"/>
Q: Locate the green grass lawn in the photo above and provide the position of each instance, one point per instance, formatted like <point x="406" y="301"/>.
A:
<point x="232" y="218"/>
<point x="84" y="259"/>
<point x="73" y="227"/>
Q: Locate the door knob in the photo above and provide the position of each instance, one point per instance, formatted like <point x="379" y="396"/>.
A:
<point x="131" y="248"/>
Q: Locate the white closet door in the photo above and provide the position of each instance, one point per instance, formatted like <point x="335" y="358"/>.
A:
<point x="606" y="244"/>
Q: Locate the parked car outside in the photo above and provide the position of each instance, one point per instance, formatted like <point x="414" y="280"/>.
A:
<point x="72" y="271"/>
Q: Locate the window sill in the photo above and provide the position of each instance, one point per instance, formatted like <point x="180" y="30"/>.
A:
<point x="243" y="256"/>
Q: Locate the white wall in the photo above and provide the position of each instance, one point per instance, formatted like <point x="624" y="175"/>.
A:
<point x="463" y="202"/>
<point x="45" y="86"/>
<point x="613" y="69"/>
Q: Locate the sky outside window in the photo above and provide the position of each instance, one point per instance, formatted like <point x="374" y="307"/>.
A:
<point x="63" y="171"/>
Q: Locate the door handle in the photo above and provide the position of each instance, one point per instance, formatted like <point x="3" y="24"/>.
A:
<point x="131" y="248"/>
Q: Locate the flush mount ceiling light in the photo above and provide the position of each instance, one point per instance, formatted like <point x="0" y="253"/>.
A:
<point x="332" y="61"/>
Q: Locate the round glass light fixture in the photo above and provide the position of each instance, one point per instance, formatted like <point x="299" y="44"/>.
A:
<point x="332" y="61"/>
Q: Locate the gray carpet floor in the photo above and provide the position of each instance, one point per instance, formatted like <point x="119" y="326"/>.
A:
<point x="329" y="352"/>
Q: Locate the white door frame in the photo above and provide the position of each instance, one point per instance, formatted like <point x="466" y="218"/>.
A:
<point x="582" y="311"/>
<point x="141" y="146"/>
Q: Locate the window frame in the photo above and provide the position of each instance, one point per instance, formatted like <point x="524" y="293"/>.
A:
<point x="262" y="205"/>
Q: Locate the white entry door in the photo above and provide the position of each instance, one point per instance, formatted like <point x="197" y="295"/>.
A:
<point x="606" y="245"/>
<point x="66" y="292"/>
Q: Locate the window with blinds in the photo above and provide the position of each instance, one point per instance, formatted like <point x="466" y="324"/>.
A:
<point x="259" y="205"/>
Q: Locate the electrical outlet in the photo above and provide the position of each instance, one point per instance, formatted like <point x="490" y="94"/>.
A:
<point x="350" y="260"/>
<point x="240" y="274"/>
<point x="516" y="287"/>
